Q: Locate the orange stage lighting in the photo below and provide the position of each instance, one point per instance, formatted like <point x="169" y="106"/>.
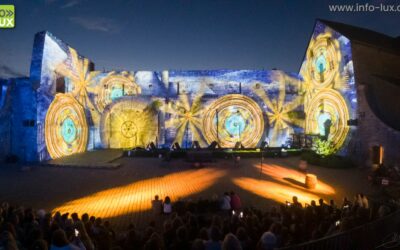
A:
<point x="274" y="191"/>
<point x="294" y="178"/>
<point x="137" y="196"/>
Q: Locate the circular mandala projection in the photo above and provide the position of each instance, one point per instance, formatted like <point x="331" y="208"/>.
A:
<point x="327" y="116"/>
<point x="233" y="118"/>
<point x="128" y="129"/>
<point x="113" y="87"/>
<point x="128" y="123"/>
<point x="66" y="130"/>
<point x="323" y="59"/>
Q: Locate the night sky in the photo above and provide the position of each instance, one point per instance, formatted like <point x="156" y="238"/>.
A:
<point x="179" y="34"/>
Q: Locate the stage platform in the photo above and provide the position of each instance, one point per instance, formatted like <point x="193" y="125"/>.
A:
<point x="124" y="194"/>
<point x="90" y="159"/>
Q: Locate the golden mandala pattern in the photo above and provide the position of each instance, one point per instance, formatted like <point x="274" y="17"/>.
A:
<point x="66" y="129"/>
<point x="115" y="86"/>
<point x="327" y="115"/>
<point x="323" y="60"/>
<point x="233" y="118"/>
<point x="128" y="123"/>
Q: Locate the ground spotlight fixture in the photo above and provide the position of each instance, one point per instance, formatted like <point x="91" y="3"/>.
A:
<point x="196" y="145"/>
<point x="214" y="145"/>
<point x="176" y="146"/>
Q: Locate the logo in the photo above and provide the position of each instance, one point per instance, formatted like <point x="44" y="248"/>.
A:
<point x="7" y="16"/>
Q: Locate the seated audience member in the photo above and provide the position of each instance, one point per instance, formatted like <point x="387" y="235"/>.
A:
<point x="39" y="245"/>
<point x="296" y="203"/>
<point x="203" y="234"/>
<point x="226" y="202"/>
<point x="214" y="243"/>
<point x="157" y="205"/>
<point x="346" y="203"/>
<point x="83" y="235"/>
<point x="236" y="203"/>
<point x="153" y="243"/>
<point x="182" y="241"/>
<point x="322" y="208"/>
<point x="268" y="241"/>
<point x="60" y="242"/>
<point x="364" y="201"/>
<point x="133" y="240"/>
<point x="194" y="228"/>
<point x="74" y="217"/>
<point x="110" y="231"/>
<point x="332" y="205"/>
<point x="198" y="244"/>
<point x="383" y="211"/>
<point x="231" y="243"/>
<point x="358" y="200"/>
<point x="168" y="234"/>
<point x="167" y="205"/>
<point x="244" y="239"/>
<point x="8" y="241"/>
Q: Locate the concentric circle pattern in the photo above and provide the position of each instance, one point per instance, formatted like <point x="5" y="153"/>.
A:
<point x="114" y="87"/>
<point x="327" y="116"/>
<point x="66" y="130"/>
<point x="323" y="60"/>
<point x="127" y="124"/>
<point x="233" y="118"/>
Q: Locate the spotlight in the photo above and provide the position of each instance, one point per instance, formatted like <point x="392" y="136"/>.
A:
<point x="238" y="145"/>
<point x="196" y="145"/>
<point x="264" y="144"/>
<point x="213" y="145"/>
<point x="151" y="146"/>
<point x="176" y="146"/>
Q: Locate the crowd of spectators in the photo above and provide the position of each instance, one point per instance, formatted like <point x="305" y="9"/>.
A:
<point x="385" y="175"/>
<point x="204" y="224"/>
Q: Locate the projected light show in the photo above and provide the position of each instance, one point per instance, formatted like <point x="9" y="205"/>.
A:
<point x="199" y="129"/>
<point x="176" y="125"/>
<point x="129" y="123"/>
<point x="328" y="86"/>
<point x="114" y="86"/>
<point x="185" y="117"/>
<point x="128" y="109"/>
<point x="233" y="118"/>
<point x="328" y="116"/>
<point x="66" y="128"/>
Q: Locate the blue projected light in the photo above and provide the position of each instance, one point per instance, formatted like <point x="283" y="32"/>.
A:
<point x="235" y="124"/>
<point x="320" y="63"/>
<point x="68" y="130"/>
<point x="116" y="93"/>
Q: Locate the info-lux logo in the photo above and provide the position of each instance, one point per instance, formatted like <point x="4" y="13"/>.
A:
<point x="7" y="16"/>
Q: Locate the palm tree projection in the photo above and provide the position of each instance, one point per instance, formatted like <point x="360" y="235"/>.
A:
<point x="279" y="112"/>
<point x="186" y="116"/>
<point x="81" y="78"/>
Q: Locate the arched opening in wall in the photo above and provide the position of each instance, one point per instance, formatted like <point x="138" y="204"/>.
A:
<point x="60" y="84"/>
<point x="377" y="155"/>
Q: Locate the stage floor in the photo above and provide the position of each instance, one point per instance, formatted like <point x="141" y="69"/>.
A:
<point x="123" y="195"/>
